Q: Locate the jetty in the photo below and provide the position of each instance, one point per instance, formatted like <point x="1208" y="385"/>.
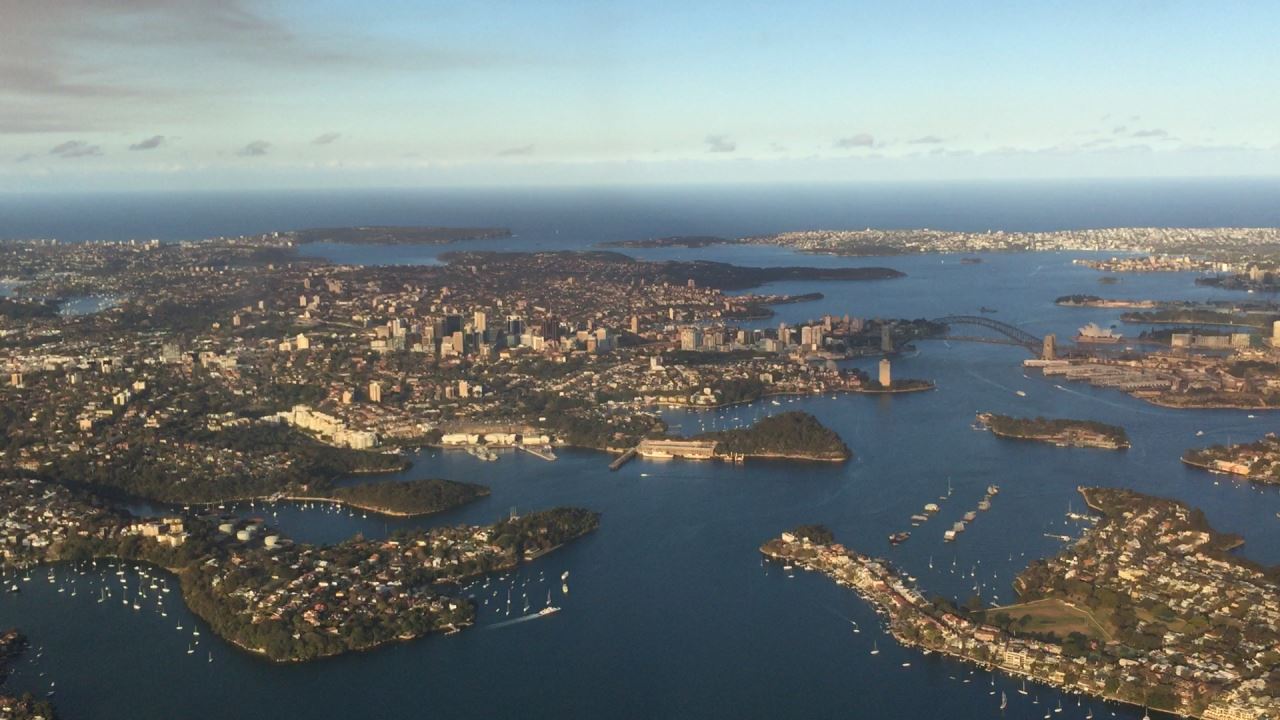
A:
<point x="623" y="459"/>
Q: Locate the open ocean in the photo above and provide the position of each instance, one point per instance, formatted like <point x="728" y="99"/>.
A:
<point x="671" y="613"/>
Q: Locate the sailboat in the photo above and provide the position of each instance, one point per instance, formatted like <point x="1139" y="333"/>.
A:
<point x="1004" y="701"/>
<point x="874" y="650"/>
<point x="1059" y="708"/>
<point x="1023" y="690"/>
<point x="549" y="609"/>
<point x="190" y="650"/>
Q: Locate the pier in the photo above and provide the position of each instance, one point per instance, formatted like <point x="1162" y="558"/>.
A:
<point x="539" y="452"/>
<point x="623" y="459"/>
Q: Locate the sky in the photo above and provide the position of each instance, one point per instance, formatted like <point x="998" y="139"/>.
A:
<point x="243" y="94"/>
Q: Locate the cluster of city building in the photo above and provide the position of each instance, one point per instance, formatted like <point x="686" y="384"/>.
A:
<point x="1180" y="625"/>
<point x="36" y="518"/>
<point x="1150" y="240"/>
<point x="1259" y="461"/>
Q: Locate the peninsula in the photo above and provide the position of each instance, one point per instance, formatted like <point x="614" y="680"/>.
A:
<point x="1060" y="432"/>
<point x="1258" y="461"/>
<point x="1147" y="608"/>
<point x="408" y="498"/>
<point x="785" y="436"/>
<point x="25" y="706"/>
<point x="1095" y="301"/>
<point x="286" y="601"/>
<point x="1169" y="241"/>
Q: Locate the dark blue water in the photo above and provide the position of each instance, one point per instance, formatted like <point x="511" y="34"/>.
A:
<point x="575" y="217"/>
<point x="670" y="612"/>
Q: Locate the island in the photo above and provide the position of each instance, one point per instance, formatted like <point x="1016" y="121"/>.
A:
<point x="1147" y="608"/>
<point x="395" y="235"/>
<point x="1057" y="431"/>
<point x="1258" y="461"/>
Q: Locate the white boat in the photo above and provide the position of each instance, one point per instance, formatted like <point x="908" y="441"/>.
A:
<point x="874" y="650"/>
<point x="1004" y="701"/>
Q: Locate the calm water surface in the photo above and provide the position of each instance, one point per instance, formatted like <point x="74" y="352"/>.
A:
<point x="670" y="612"/>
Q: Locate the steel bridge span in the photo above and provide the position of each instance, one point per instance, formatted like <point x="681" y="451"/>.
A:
<point x="1008" y="334"/>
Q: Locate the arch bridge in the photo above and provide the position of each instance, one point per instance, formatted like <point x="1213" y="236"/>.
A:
<point x="1006" y="334"/>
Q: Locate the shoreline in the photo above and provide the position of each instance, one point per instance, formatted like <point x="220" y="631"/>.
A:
<point x="884" y="610"/>
<point x="278" y="498"/>
<point x="1055" y="441"/>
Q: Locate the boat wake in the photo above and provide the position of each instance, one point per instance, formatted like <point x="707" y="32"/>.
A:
<point x="1110" y="403"/>
<point x="513" y="621"/>
<point x="988" y="381"/>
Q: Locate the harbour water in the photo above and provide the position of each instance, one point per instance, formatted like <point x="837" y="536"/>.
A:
<point x="670" y="612"/>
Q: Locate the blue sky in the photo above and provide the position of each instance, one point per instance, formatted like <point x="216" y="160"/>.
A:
<point x="188" y="94"/>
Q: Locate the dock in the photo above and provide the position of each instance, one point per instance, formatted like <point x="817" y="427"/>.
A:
<point x="539" y="452"/>
<point x="623" y="459"/>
